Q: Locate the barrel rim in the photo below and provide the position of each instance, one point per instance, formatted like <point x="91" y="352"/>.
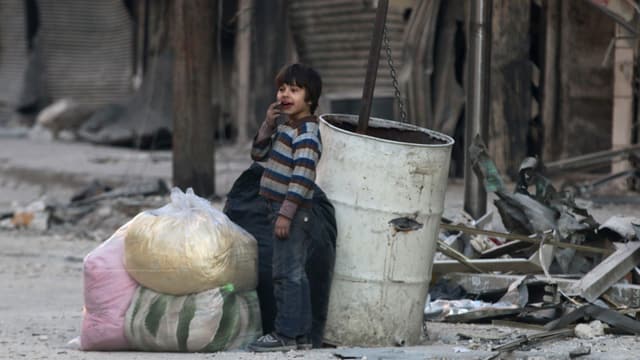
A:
<point x="394" y="124"/>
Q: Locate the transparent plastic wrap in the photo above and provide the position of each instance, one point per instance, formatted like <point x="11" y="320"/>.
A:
<point x="188" y="246"/>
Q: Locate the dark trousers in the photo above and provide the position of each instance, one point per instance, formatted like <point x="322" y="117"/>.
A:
<point x="290" y="284"/>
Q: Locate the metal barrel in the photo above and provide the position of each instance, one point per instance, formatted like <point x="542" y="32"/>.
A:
<point x="388" y="197"/>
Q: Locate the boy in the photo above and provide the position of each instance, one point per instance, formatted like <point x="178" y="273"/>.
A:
<point x="292" y="151"/>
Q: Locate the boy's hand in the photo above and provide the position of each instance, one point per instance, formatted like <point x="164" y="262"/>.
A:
<point x="282" y="227"/>
<point x="272" y="114"/>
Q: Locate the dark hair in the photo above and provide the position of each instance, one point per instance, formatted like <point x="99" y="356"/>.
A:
<point x="305" y="77"/>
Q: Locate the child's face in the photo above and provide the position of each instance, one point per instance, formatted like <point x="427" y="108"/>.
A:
<point x="292" y="101"/>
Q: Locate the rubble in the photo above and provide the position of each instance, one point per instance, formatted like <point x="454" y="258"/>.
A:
<point x="93" y="212"/>
<point x="625" y="228"/>
<point x="608" y="272"/>
<point x="589" y="331"/>
<point x="555" y="269"/>
<point x="579" y="351"/>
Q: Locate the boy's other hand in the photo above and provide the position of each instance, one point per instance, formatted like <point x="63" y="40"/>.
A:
<point x="272" y="114"/>
<point x="282" y="227"/>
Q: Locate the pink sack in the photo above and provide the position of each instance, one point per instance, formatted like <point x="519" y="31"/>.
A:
<point x="108" y="290"/>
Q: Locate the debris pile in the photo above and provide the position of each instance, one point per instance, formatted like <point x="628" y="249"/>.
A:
<point x="554" y="268"/>
<point x="94" y="212"/>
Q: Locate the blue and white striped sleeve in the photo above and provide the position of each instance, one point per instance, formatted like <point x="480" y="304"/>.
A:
<point x="262" y="143"/>
<point x="306" y="153"/>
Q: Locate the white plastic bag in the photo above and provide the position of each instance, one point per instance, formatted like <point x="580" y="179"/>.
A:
<point x="188" y="246"/>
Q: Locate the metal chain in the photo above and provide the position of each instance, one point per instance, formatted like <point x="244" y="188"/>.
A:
<point x="394" y="76"/>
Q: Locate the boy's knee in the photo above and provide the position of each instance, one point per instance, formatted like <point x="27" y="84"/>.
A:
<point x="294" y="275"/>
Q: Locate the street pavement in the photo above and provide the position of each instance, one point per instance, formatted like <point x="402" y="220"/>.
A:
<point x="41" y="274"/>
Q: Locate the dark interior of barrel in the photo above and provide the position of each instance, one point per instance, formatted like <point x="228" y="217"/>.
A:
<point x="388" y="133"/>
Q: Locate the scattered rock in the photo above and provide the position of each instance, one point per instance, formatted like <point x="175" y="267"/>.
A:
<point x="590" y="331"/>
<point x="579" y="351"/>
<point x="460" y="349"/>
<point x="33" y="216"/>
<point x="7" y="224"/>
<point x="74" y="344"/>
<point x="73" y="259"/>
<point x="22" y="219"/>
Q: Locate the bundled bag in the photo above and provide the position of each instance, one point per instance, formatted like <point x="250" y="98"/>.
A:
<point x="214" y="320"/>
<point x="108" y="291"/>
<point x="248" y="209"/>
<point x="188" y="246"/>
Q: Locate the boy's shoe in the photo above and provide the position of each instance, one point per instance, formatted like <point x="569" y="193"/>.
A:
<point x="304" y="343"/>
<point x="273" y="342"/>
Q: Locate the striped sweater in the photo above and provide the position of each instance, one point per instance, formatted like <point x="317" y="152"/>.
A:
<point x="291" y="153"/>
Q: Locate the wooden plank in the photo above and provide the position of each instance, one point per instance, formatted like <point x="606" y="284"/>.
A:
<point x="506" y="248"/>
<point x="456" y="255"/>
<point x="608" y="272"/>
<point x="193" y="131"/>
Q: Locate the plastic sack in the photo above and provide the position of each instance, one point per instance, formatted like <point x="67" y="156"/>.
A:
<point x="108" y="291"/>
<point x="188" y="246"/>
<point x="213" y="320"/>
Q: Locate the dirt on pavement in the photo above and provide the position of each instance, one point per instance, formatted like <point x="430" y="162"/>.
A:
<point x="41" y="292"/>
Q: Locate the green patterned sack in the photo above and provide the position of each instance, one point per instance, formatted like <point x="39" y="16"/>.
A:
<point x="209" y="321"/>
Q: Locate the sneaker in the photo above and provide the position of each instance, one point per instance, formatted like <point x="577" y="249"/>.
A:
<point x="273" y="342"/>
<point x="304" y="343"/>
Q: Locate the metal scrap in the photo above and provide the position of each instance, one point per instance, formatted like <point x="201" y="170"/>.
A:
<point x="533" y="239"/>
<point x="624" y="228"/>
<point x="608" y="272"/>
<point x="456" y="255"/>
<point x="531" y="339"/>
<point x="611" y="317"/>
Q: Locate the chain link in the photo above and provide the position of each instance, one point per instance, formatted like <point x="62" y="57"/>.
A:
<point x="394" y="76"/>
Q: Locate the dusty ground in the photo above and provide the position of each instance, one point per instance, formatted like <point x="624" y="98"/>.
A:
<point x="41" y="272"/>
<point x="41" y="304"/>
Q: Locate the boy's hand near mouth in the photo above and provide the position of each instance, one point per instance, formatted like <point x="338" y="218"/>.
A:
<point x="273" y="112"/>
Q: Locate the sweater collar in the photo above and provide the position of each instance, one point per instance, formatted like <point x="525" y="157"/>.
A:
<point x="310" y="118"/>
